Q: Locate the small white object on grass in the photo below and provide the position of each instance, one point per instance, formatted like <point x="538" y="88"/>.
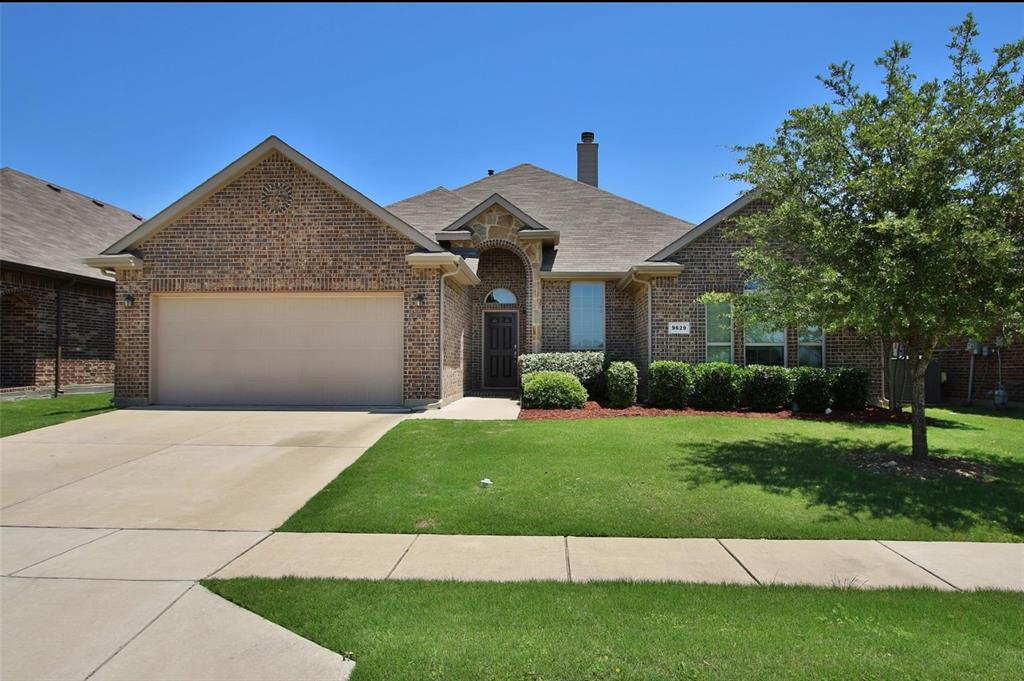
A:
<point x="828" y="410"/>
<point x="486" y="482"/>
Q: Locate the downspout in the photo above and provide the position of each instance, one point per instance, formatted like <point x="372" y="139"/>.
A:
<point x="58" y="350"/>
<point x="440" y="384"/>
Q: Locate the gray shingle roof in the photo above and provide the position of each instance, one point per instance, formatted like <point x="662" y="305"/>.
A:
<point x="51" y="229"/>
<point x="600" y="231"/>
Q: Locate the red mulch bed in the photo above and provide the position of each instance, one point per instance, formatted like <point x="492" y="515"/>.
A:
<point x="595" y="410"/>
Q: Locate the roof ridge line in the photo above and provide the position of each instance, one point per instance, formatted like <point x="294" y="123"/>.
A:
<point x="582" y="184"/>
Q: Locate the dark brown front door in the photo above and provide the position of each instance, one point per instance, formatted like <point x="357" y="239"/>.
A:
<point x="501" y="348"/>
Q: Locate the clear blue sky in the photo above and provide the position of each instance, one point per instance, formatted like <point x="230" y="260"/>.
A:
<point x="138" y="104"/>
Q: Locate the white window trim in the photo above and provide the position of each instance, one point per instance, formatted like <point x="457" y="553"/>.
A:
<point x="719" y="344"/>
<point x="604" y="317"/>
<point x="824" y="360"/>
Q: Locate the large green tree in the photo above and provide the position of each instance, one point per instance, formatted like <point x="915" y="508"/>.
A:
<point x="896" y="213"/>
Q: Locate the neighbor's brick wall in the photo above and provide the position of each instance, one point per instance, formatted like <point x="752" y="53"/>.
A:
<point x="709" y="265"/>
<point x="28" y="330"/>
<point x="955" y="361"/>
<point x="456" y="339"/>
<point x="321" y="242"/>
<point x="498" y="268"/>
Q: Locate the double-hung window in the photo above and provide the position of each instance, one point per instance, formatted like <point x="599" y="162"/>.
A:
<point x="718" y="331"/>
<point x="763" y="345"/>
<point x="586" y="315"/>
<point x="811" y="347"/>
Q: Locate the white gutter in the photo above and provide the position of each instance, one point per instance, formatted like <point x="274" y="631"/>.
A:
<point x="112" y="262"/>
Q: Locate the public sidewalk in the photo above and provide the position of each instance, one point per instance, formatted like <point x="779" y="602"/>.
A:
<point x="844" y="563"/>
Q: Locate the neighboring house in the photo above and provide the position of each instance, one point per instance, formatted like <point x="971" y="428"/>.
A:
<point x="57" y="320"/>
<point x="274" y="282"/>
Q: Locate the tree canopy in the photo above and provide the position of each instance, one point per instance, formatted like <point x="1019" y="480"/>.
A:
<point x="897" y="213"/>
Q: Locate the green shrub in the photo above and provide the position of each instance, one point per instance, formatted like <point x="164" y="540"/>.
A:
<point x="553" y="390"/>
<point x="670" y="384"/>
<point x="715" y="386"/>
<point x="764" y="388"/>
<point x="588" y="367"/>
<point x="811" y="389"/>
<point x="621" y="380"/>
<point x="849" y="388"/>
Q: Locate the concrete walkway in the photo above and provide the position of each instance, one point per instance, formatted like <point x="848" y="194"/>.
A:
<point x="475" y="409"/>
<point x="124" y="604"/>
<point x="852" y="563"/>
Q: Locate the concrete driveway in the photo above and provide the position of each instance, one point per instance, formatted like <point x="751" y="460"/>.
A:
<point x="109" y="521"/>
<point x="180" y="469"/>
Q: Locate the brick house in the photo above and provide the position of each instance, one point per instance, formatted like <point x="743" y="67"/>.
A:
<point x="274" y="282"/>
<point x="57" y="323"/>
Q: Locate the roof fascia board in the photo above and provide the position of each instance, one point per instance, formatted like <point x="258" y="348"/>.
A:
<point x="243" y="163"/>
<point x="719" y="217"/>
<point x="583" y="276"/>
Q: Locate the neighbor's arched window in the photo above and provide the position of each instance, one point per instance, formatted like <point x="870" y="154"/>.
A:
<point x="502" y="296"/>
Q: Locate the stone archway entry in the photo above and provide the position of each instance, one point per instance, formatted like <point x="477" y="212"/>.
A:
<point x="501" y="349"/>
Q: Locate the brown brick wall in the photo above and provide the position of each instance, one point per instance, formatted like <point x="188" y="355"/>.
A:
<point x="28" y="330"/>
<point x="709" y="265"/>
<point x="555" y="313"/>
<point x="456" y="340"/>
<point x="320" y="242"/>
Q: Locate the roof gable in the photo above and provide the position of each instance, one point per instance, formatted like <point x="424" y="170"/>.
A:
<point x="698" y="231"/>
<point x="238" y="168"/>
<point x="495" y="200"/>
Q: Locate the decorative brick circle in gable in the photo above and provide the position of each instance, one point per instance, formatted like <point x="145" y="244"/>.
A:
<point x="276" y="197"/>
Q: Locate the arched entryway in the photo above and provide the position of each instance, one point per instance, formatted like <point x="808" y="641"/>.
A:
<point x="501" y="317"/>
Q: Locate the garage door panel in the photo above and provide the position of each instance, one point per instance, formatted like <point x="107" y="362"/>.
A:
<point x="278" y="350"/>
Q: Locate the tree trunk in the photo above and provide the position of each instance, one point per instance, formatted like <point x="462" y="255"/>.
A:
<point x="918" y="425"/>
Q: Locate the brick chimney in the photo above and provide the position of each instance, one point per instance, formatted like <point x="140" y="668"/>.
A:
<point x="586" y="159"/>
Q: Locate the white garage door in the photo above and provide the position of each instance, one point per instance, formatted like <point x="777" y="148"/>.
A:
<point x="283" y="349"/>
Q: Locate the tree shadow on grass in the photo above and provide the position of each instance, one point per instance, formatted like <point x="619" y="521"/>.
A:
<point x="823" y="471"/>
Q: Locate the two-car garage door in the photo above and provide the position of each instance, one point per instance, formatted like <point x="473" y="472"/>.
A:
<point x="277" y="349"/>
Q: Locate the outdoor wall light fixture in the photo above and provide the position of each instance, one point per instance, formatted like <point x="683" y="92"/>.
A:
<point x="129" y="300"/>
<point x="418" y="299"/>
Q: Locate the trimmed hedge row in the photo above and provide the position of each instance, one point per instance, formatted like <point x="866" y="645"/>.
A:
<point x="721" y="386"/>
<point x="588" y="367"/>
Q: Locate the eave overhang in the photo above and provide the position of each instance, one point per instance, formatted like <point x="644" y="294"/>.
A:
<point x="446" y="262"/>
<point x="112" y="263"/>
<point x="645" y="271"/>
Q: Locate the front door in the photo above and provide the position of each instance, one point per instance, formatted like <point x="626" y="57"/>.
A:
<point x="501" y="329"/>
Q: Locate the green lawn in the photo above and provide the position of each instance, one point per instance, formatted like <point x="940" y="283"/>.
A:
<point x="687" y="476"/>
<point x="17" y="416"/>
<point x="446" y="630"/>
